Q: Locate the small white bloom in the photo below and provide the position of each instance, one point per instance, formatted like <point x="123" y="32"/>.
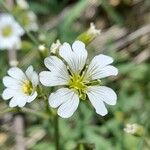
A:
<point x="10" y="32"/>
<point x="134" y="129"/>
<point x="130" y="128"/>
<point x="22" y="4"/>
<point x="20" y="87"/>
<point x="29" y="21"/>
<point x="42" y="48"/>
<point x="80" y="81"/>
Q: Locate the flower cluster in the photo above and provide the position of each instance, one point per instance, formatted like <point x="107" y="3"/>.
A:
<point x="10" y="32"/>
<point x="68" y="68"/>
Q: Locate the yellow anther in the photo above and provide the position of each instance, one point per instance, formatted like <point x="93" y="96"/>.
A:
<point x="27" y="87"/>
<point x="7" y="31"/>
<point x="76" y="82"/>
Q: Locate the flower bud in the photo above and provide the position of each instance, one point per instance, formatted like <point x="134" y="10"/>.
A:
<point x="134" y="129"/>
<point x="55" y="47"/>
<point x="41" y="48"/>
<point x="88" y="36"/>
<point x="13" y="63"/>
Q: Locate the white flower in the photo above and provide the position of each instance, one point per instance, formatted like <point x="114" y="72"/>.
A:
<point x="22" y="4"/>
<point x="80" y="80"/>
<point x="134" y="129"/>
<point x="20" y="86"/>
<point x="10" y="32"/>
<point x="131" y="128"/>
<point x="29" y="21"/>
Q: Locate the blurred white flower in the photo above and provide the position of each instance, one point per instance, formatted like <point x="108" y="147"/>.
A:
<point x="22" y="4"/>
<point x="20" y="87"/>
<point x="42" y="47"/>
<point x="10" y="32"/>
<point x="80" y="80"/>
<point x="29" y="21"/>
<point x="134" y="129"/>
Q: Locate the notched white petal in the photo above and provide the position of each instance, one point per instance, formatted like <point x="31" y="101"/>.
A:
<point x="29" y="72"/>
<point x="35" y="79"/>
<point x="59" y="97"/>
<point x="13" y="102"/>
<point x="11" y="82"/>
<point x="67" y="109"/>
<point x="100" y="94"/>
<point x="75" y="56"/>
<point x="104" y="94"/>
<point x="17" y="73"/>
<point x="97" y="103"/>
<point x="8" y="93"/>
<point x="32" y="97"/>
<point x="100" y="68"/>
<point x="48" y="78"/>
<point x="105" y="72"/>
<point x="67" y="101"/>
<point x="57" y="67"/>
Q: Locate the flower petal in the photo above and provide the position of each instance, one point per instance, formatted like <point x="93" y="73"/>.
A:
<point x="35" y="79"/>
<point x="8" y="93"/>
<point x="18" y="100"/>
<point x="97" y="70"/>
<point x="59" y="97"/>
<point x="17" y="73"/>
<point x="57" y="67"/>
<point x="105" y="72"/>
<point x="32" y="97"/>
<point x="100" y="94"/>
<point x="29" y="72"/>
<point x="21" y="100"/>
<point x="11" y="82"/>
<point x="97" y="103"/>
<point x="75" y="57"/>
<point x="32" y="76"/>
<point x="48" y="78"/>
<point x="13" y="102"/>
<point x="68" y="101"/>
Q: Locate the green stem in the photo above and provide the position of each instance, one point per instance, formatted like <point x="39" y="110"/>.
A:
<point x="5" y="111"/>
<point x="56" y="126"/>
<point x="147" y="143"/>
<point x="26" y="110"/>
<point x="113" y="14"/>
<point x="36" y="113"/>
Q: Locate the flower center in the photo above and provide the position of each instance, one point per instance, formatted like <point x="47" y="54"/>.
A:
<point x="76" y="82"/>
<point x="7" y="31"/>
<point x="27" y="87"/>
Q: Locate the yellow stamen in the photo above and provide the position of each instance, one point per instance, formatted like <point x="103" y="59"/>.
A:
<point x="27" y="87"/>
<point x="7" y="31"/>
<point x="76" y="82"/>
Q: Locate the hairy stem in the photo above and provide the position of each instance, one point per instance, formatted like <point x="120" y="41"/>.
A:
<point x="56" y="128"/>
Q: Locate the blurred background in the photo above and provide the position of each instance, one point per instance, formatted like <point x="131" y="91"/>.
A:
<point x="125" y="35"/>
